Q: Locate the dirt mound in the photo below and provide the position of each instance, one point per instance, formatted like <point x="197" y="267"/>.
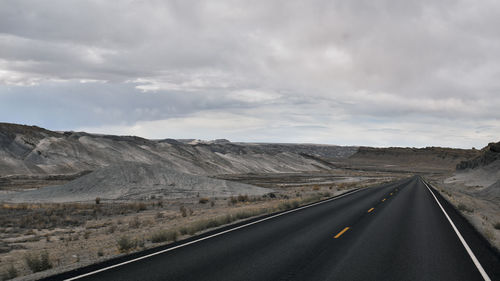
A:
<point x="129" y="180"/>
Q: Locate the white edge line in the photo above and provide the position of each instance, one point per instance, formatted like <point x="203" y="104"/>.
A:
<point x="466" y="246"/>
<point x="210" y="236"/>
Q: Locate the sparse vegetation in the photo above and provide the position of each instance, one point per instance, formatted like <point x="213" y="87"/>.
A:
<point x="232" y="201"/>
<point x="242" y="198"/>
<point x="183" y="211"/>
<point x="135" y="222"/>
<point x="464" y="208"/>
<point x="112" y="229"/>
<point x="288" y="205"/>
<point x="53" y="215"/>
<point x="76" y="227"/>
<point x="164" y="236"/>
<point x="38" y="263"/>
<point x="11" y="273"/>
<point x="159" y="215"/>
<point x="496" y="225"/>
<point x="126" y="244"/>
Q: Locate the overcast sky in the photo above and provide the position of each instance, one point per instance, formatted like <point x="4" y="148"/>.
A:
<point x="378" y="73"/>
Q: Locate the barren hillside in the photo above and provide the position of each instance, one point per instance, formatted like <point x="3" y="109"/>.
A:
<point x="482" y="173"/>
<point x="76" y="166"/>
<point x="29" y="150"/>
<point x="429" y="159"/>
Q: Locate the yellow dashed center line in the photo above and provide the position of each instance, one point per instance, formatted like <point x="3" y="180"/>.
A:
<point x="371" y="210"/>
<point x="340" y="233"/>
<point x="383" y="200"/>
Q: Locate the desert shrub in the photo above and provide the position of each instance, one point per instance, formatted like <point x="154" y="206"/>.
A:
<point x="232" y="201"/>
<point x="212" y="203"/>
<point x="311" y="199"/>
<point x="100" y="253"/>
<point x="203" y="200"/>
<point x="140" y="207"/>
<point x="86" y="235"/>
<point x="38" y="263"/>
<point x="134" y="223"/>
<point x="464" y="208"/>
<point x="159" y="215"/>
<point x="126" y="244"/>
<point x="183" y="211"/>
<point x="250" y="213"/>
<point x="11" y="273"/>
<point x="183" y="230"/>
<point x="164" y="236"/>
<point x="288" y="205"/>
<point x="496" y="225"/>
<point x="141" y="243"/>
<point x="242" y="198"/>
<point x="98" y="200"/>
<point x="112" y="228"/>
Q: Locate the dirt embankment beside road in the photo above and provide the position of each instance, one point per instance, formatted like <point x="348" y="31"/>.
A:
<point x="474" y="189"/>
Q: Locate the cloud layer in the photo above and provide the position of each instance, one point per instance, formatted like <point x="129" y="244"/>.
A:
<point x="411" y="73"/>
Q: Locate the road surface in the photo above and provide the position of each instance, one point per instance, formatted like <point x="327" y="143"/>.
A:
<point x="396" y="231"/>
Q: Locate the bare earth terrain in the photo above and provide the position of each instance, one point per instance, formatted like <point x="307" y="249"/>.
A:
<point x="70" y="199"/>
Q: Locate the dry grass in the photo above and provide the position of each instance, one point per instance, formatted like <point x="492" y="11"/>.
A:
<point x="464" y="208"/>
<point x="10" y="273"/>
<point x="51" y="215"/>
<point x="125" y="244"/>
<point x="164" y="236"/>
<point x="38" y="263"/>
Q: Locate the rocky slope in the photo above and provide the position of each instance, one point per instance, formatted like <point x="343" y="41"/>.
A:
<point x="78" y="166"/>
<point x="28" y="150"/>
<point x="481" y="173"/>
<point x="488" y="155"/>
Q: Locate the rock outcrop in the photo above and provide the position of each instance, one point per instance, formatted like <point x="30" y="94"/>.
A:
<point x="489" y="154"/>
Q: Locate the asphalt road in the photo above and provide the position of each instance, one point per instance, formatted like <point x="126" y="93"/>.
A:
<point x="395" y="231"/>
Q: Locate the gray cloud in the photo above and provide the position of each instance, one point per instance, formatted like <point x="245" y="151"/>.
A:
<point x="286" y="70"/>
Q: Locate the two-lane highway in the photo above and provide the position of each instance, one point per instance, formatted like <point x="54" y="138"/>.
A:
<point x="396" y="231"/>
